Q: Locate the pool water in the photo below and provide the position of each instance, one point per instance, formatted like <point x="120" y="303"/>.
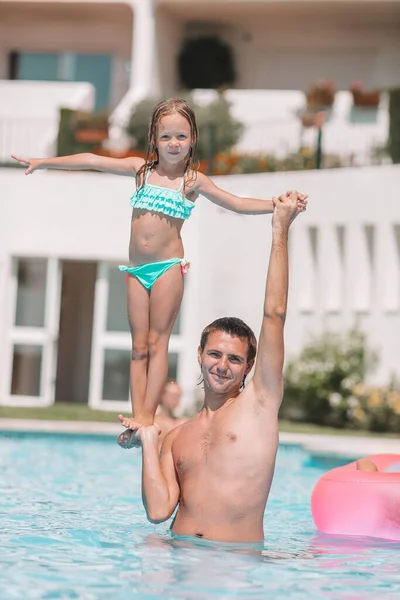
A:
<point x="73" y="526"/>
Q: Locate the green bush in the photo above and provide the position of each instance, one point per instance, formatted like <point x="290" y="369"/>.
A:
<point x="70" y="122"/>
<point x="375" y="408"/>
<point x="319" y="383"/>
<point x="218" y="130"/>
<point x="139" y="121"/>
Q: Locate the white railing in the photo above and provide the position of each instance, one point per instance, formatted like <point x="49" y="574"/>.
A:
<point x="27" y="137"/>
<point x="29" y="114"/>
<point x="272" y="124"/>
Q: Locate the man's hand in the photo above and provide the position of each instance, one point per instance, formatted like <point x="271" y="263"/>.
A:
<point x="287" y="207"/>
<point x="149" y="434"/>
<point x="132" y="436"/>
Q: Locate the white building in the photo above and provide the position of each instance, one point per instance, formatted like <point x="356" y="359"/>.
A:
<point x="64" y="331"/>
<point x="276" y="45"/>
<point x="63" y="325"/>
<point x="131" y="49"/>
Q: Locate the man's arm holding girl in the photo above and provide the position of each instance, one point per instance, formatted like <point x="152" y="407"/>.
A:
<point x="160" y="487"/>
<point x="268" y="372"/>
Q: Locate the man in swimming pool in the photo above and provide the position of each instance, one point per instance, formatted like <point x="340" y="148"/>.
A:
<point x="217" y="468"/>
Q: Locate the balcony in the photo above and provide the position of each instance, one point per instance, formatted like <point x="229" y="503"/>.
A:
<point x="29" y="114"/>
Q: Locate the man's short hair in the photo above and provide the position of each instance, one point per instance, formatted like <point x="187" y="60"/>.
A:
<point x="234" y="327"/>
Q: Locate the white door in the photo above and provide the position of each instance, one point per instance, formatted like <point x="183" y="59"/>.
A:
<point x="33" y="323"/>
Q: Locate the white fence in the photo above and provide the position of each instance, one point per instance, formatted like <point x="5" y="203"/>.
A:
<point x="272" y="125"/>
<point x="29" y="114"/>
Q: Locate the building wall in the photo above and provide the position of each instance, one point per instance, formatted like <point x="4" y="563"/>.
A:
<point x="345" y="257"/>
<point x="280" y="48"/>
<point x="334" y="283"/>
<point x="169" y="32"/>
<point x="68" y="27"/>
<point x="275" y="48"/>
<point x="286" y="54"/>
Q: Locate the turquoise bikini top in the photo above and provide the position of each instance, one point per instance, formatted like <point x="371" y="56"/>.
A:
<point x="162" y="200"/>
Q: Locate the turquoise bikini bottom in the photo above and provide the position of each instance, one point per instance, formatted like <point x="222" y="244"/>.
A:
<point x="149" y="273"/>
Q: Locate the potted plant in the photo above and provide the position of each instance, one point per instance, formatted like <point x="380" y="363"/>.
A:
<point x="313" y="119"/>
<point x="364" y="98"/>
<point x="321" y="95"/>
<point x="91" y="128"/>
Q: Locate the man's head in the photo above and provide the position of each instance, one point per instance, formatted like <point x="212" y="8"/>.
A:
<point x="171" y="395"/>
<point x="226" y="353"/>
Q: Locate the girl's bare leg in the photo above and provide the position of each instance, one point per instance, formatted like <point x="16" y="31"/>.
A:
<point x="165" y="301"/>
<point x="138" y="315"/>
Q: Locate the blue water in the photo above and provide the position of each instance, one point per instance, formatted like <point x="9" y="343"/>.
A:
<point x="72" y="526"/>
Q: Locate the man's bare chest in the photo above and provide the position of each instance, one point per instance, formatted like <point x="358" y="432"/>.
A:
<point x="220" y="450"/>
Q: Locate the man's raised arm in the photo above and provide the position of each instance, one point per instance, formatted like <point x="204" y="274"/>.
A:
<point x="268" y="376"/>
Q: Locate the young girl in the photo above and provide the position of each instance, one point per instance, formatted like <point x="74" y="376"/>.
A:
<point x="167" y="187"/>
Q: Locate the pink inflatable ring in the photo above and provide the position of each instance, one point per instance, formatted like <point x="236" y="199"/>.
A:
<point x="347" y="501"/>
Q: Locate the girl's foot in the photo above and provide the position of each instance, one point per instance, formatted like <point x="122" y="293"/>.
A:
<point x="129" y="439"/>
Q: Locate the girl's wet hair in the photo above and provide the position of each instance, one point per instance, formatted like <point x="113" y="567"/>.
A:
<point x="163" y="109"/>
<point x="236" y="328"/>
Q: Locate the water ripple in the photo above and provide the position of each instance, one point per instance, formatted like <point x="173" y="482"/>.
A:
<point x="73" y="526"/>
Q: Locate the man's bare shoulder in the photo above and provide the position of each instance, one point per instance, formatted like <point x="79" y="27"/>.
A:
<point x="182" y="427"/>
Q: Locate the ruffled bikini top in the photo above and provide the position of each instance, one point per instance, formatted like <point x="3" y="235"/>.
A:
<point x="162" y="200"/>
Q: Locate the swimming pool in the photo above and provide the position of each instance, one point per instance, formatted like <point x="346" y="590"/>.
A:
<point x="72" y="526"/>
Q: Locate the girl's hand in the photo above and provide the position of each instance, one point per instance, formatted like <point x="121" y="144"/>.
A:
<point x="33" y="163"/>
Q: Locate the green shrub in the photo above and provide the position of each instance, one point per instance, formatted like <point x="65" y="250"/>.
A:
<point x="139" y="121"/>
<point x="375" y="408"/>
<point x="71" y="123"/>
<point x="320" y="382"/>
<point x="218" y="130"/>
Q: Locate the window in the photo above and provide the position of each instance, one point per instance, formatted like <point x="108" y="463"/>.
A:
<point x="43" y="66"/>
<point x="31" y="292"/>
<point x="26" y="369"/>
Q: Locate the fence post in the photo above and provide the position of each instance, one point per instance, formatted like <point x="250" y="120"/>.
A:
<point x="211" y="147"/>
<point x="394" y="125"/>
<point x="318" y="156"/>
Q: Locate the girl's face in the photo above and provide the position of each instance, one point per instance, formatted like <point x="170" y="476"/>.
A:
<point x="173" y="138"/>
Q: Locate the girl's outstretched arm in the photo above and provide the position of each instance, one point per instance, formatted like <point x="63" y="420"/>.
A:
<point x="86" y="161"/>
<point x="244" y="206"/>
